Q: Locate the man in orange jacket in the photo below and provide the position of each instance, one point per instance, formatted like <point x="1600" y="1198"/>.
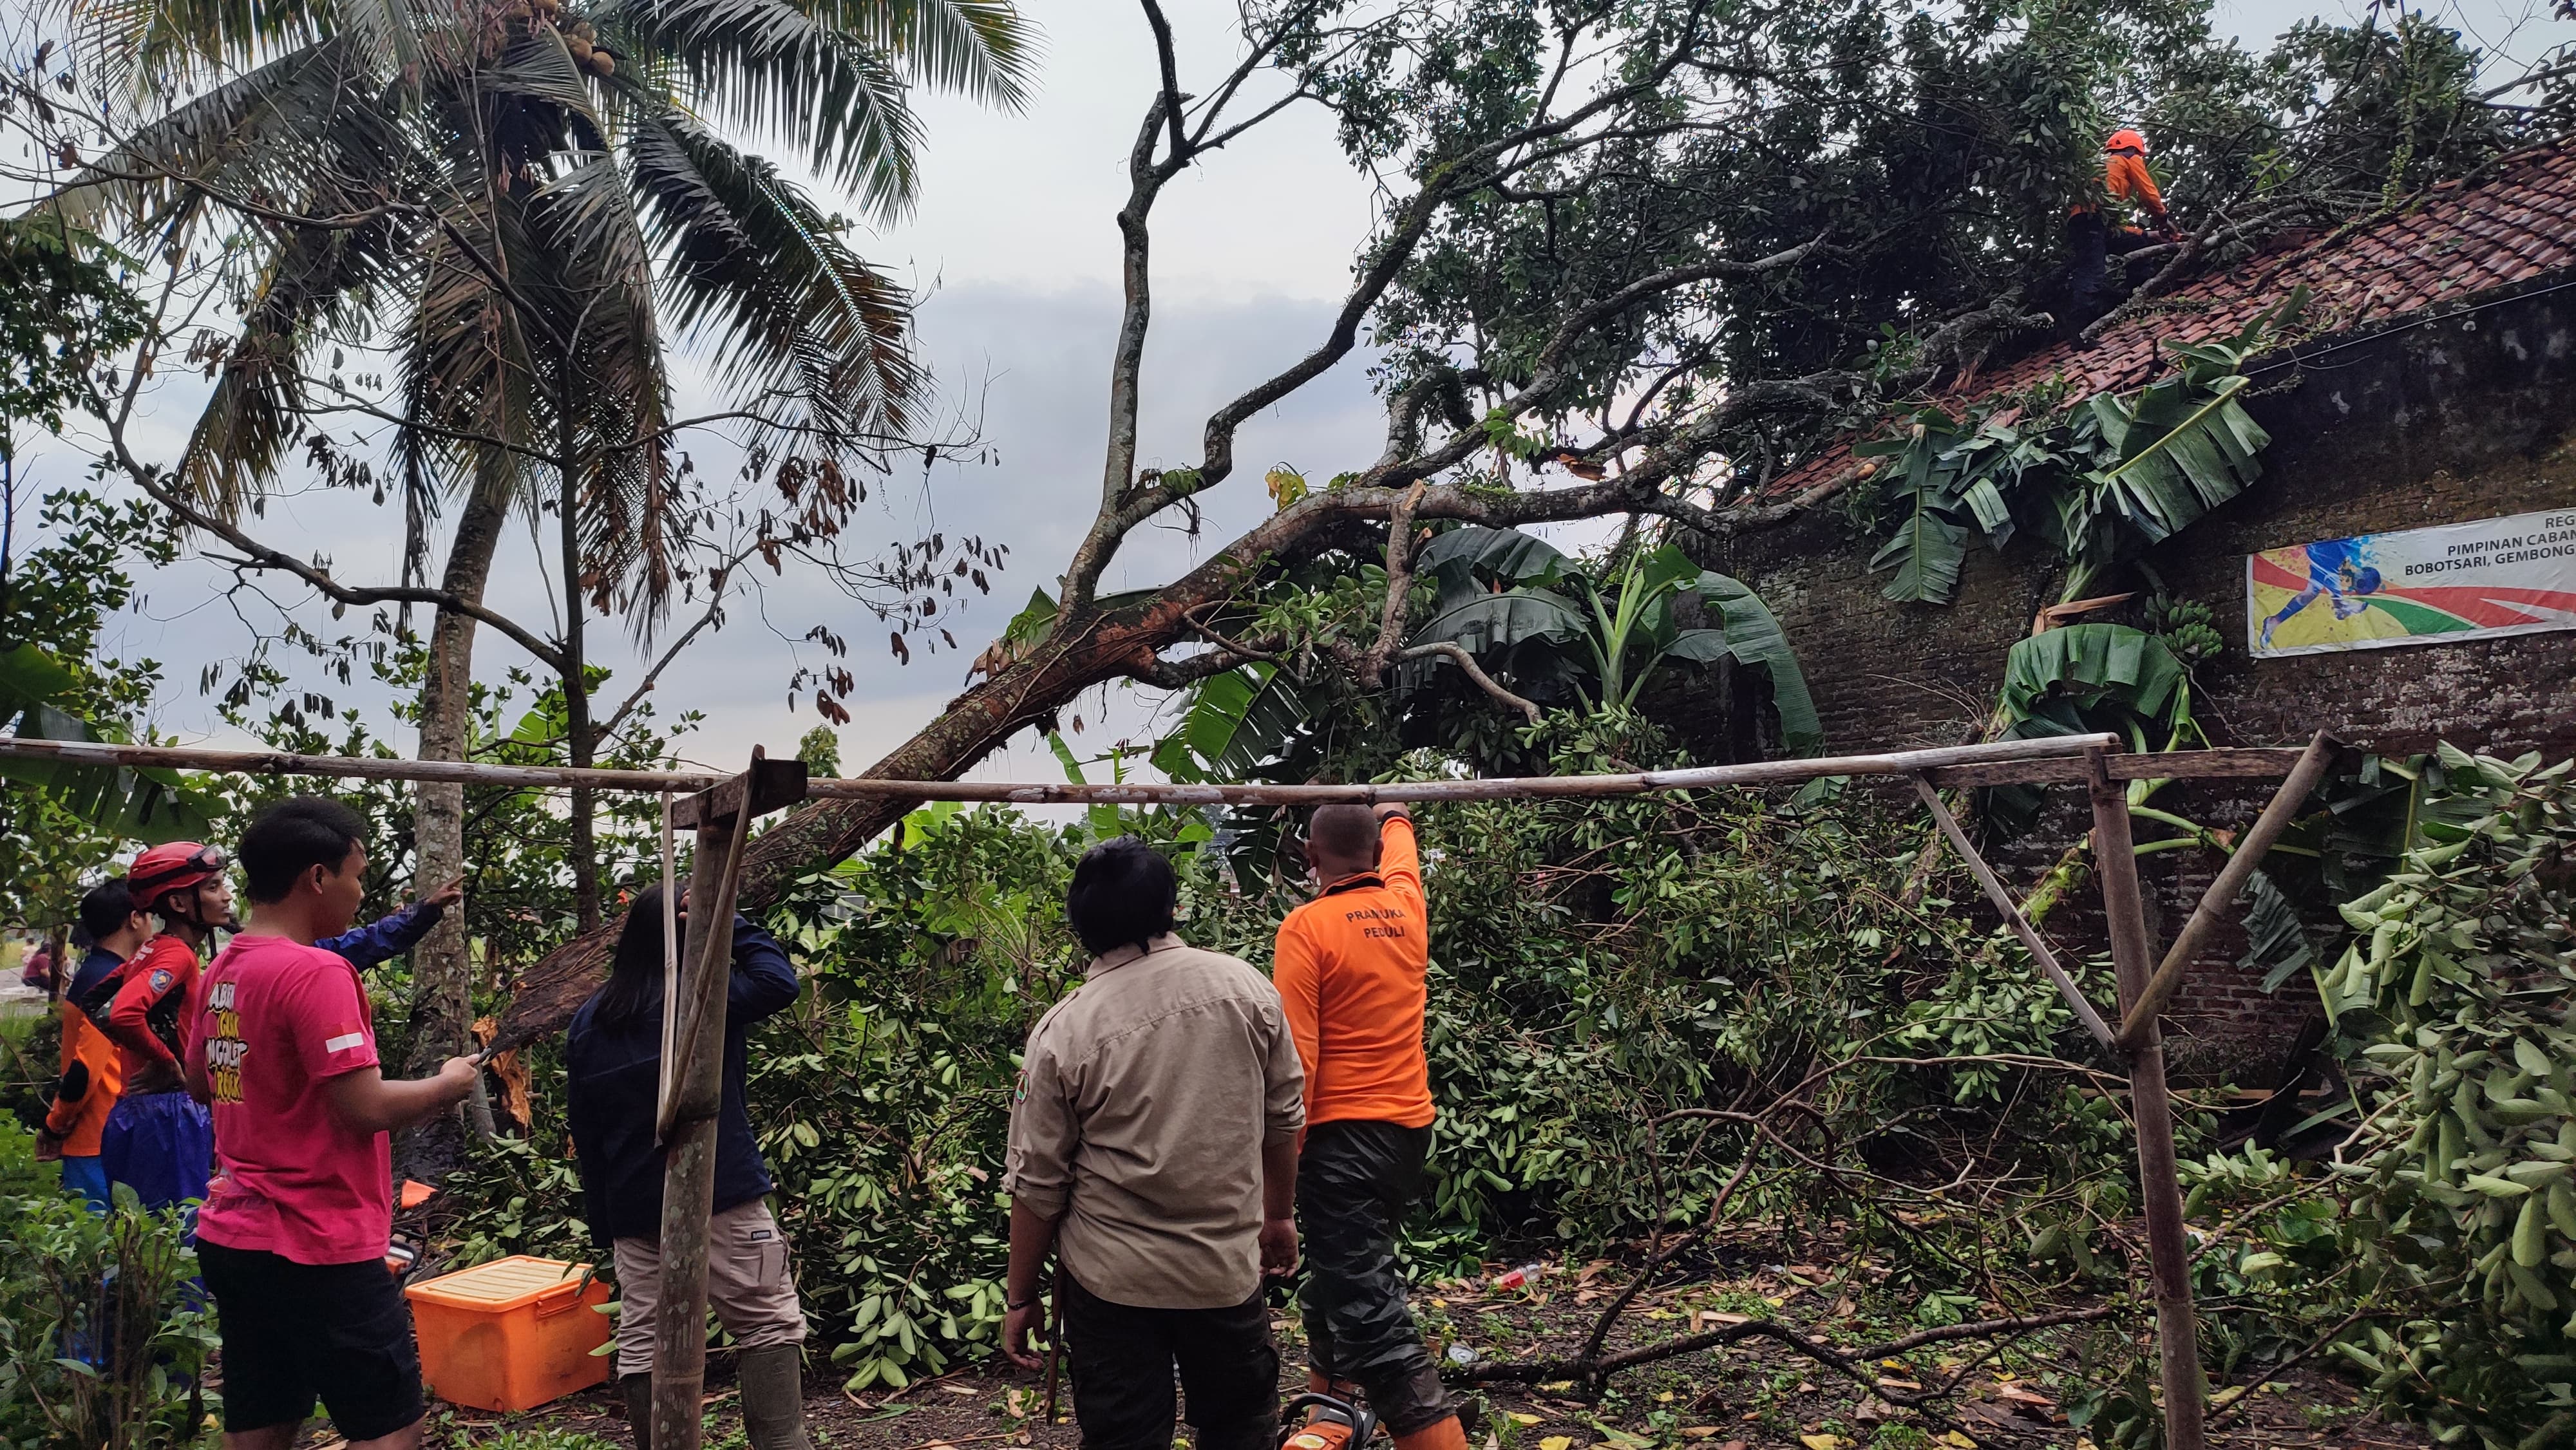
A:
<point x="2091" y="239"/>
<point x="92" y="1076"/>
<point x="1351" y="969"/>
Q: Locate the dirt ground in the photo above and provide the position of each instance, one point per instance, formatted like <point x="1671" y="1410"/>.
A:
<point x="1757" y="1395"/>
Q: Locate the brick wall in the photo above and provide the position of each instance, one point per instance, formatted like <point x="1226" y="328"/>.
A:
<point x="2463" y="418"/>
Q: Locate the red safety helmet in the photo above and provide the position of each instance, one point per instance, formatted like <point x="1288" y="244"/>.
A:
<point x="2126" y="139"/>
<point x="174" y="866"/>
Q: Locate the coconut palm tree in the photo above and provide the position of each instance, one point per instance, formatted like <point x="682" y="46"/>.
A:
<point x="526" y="206"/>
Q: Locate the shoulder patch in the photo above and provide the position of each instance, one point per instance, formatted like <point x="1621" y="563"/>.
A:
<point x="1020" y="1089"/>
<point x="160" y="978"/>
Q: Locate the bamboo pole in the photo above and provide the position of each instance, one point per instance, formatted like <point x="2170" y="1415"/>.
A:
<point x="670" y="971"/>
<point x="2057" y="758"/>
<point x="2240" y="762"/>
<point x="2222" y="893"/>
<point x="2020" y="924"/>
<point x="2168" y="1247"/>
<point x="688" y="1134"/>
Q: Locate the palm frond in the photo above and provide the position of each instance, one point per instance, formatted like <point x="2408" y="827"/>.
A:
<point x="463" y="363"/>
<point x="314" y="280"/>
<point x="984" y="49"/>
<point x="157" y="51"/>
<point x="604" y="259"/>
<point x="306" y="286"/>
<point x="775" y="68"/>
<point x="753" y="265"/>
<point x="270" y="133"/>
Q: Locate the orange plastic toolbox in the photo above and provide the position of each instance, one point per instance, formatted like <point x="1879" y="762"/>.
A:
<point x="512" y="1334"/>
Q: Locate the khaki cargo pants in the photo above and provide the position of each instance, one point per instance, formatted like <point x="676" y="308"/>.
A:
<point x="749" y="1285"/>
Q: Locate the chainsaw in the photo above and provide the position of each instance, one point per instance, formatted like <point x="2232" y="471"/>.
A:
<point x="1336" y="1424"/>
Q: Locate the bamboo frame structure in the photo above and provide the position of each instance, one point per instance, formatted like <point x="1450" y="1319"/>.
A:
<point x="2115" y="859"/>
<point x="721" y="807"/>
<point x="670" y="970"/>
<point x="2059" y="760"/>
<point x="2249" y="853"/>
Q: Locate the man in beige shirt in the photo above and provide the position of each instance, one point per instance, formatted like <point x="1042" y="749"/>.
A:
<point x="1154" y="1148"/>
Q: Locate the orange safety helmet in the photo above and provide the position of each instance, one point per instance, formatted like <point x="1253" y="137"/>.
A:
<point x="2126" y="139"/>
<point x="174" y="866"/>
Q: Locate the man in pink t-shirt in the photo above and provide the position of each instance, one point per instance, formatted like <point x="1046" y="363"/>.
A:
<point x="281" y="1043"/>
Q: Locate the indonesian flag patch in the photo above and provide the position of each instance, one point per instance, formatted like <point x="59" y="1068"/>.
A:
<point x="345" y="1037"/>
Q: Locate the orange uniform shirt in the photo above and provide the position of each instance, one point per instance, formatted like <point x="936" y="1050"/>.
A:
<point x="1351" y="970"/>
<point x="2125" y="176"/>
<point x="79" y="1121"/>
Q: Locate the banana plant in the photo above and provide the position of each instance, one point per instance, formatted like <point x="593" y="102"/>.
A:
<point x="1530" y="614"/>
<point x="1521" y="606"/>
<point x="150" y="805"/>
<point x="2099" y="482"/>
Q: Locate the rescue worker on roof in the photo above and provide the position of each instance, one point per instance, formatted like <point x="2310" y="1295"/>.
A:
<point x="2092" y="239"/>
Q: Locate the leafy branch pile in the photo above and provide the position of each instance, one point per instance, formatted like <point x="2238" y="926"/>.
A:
<point x="2434" y="1251"/>
<point x="2461" y="976"/>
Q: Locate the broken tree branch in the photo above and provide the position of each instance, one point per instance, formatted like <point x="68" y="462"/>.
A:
<point x="1457" y="655"/>
<point x="1399" y="584"/>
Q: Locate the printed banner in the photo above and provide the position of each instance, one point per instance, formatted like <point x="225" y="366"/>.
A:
<point x="2423" y="586"/>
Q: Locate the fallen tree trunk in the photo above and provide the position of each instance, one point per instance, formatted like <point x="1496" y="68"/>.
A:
<point x="823" y="833"/>
<point x="1093" y="647"/>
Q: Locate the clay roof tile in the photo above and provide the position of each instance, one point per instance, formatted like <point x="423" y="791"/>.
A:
<point x="2516" y="223"/>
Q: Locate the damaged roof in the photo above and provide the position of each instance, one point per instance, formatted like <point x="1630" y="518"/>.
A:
<point x="2457" y="242"/>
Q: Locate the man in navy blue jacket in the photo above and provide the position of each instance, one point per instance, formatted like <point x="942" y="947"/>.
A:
<point x="388" y="937"/>
<point x="613" y="1066"/>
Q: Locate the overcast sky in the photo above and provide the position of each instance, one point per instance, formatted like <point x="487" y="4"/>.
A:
<point x="1013" y="247"/>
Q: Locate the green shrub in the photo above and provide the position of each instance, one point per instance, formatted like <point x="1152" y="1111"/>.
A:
<point x="102" y="1339"/>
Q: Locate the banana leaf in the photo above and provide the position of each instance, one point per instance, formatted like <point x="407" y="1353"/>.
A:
<point x="30" y="677"/>
<point x="2182" y="453"/>
<point x="1927" y="553"/>
<point x="2276" y="940"/>
<point x="1505" y="554"/>
<point x="151" y="805"/>
<point x="1501" y="621"/>
<point x="2082" y="678"/>
<point x="2092" y="664"/>
<point x="1237" y="722"/>
<point x="1754" y="636"/>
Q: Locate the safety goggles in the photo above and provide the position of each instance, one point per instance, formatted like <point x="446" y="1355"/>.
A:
<point x="203" y="861"/>
<point x="208" y="858"/>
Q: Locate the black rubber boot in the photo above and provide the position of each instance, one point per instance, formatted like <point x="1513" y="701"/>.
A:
<point x="639" y="1407"/>
<point x="773" y="1397"/>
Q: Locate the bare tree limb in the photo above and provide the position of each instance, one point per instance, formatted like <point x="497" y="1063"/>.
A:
<point x="719" y="582"/>
<point x="1172" y="97"/>
<point x="257" y="555"/>
<point x="1399" y="589"/>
